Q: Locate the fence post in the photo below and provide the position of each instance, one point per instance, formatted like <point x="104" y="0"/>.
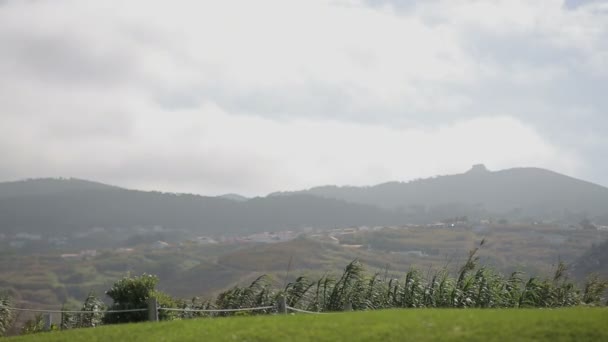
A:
<point x="48" y="321"/>
<point x="282" y="305"/>
<point x="152" y="309"/>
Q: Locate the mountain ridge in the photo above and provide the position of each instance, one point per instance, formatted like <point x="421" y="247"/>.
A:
<point x="499" y="191"/>
<point x="68" y="205"/>
<point x="45" y="186"/>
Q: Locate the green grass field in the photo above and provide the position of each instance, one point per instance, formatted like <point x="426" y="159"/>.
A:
<point x="574" y="324"/>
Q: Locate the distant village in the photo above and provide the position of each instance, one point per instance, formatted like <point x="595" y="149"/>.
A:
<point x="333" y="236"/>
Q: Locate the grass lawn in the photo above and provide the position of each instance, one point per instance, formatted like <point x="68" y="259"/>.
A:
<point x="573" y="324"/>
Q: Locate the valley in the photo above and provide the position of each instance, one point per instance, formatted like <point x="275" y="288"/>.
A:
<point x="204" y="266"/>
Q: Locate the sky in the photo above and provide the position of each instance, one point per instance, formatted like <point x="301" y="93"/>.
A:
<point x="251" y="97"/>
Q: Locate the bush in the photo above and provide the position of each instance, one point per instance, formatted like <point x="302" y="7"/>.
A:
<point x="133" y="293"/>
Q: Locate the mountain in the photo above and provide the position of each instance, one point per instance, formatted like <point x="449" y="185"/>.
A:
<point x="47" y="186"/>
<point x="65" y="206"/>
<point x="234" y="197"/>
<point x="518" y="192"/>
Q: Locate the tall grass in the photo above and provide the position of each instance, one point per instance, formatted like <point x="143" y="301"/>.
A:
<point x="473" y="286"/>
<point x="93" y="317"/>
<point x="6" y="315"/>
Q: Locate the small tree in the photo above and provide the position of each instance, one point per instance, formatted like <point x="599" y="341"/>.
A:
<point x="95" y="311"/>
<point x="68" y="320"/>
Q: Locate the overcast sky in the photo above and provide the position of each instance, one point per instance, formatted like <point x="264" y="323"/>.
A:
<point x="251" y="97"/>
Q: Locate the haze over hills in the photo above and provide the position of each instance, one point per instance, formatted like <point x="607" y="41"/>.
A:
<point x="519" y="192"/>
<point x="62" y="206"/>
<point x="48" y="186"/>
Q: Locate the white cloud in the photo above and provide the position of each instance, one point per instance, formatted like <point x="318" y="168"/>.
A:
<point x="210" y="151"/>
<point x="241" y="96"/>
<point x="374" y="58"/>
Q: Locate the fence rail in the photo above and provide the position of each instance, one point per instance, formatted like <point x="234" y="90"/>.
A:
<point x="153" y="309"/>
<point x="306" y="311"/>
<point x="69" y="311"/>
<point x="218" y="310"/>
<point x="259" y="308"/>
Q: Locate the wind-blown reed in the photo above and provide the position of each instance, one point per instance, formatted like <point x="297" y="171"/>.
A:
<point x="474" y="286"/>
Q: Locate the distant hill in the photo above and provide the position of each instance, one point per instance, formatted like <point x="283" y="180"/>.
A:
<point x="518" y="192"/>
<point x="48" y="186"/>
<point x="63" y="206"/>
<point x="234" y="197"/>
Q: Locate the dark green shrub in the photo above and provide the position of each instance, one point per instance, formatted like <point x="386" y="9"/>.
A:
<point x="133" y="293"/>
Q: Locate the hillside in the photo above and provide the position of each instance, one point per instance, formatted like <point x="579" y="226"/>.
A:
<point x="595" y="260"/>
<point x="69" y="206"/>
<point x="516" y="193"/>
<point x="66" y="206"/>
<point x="49" y="186"/>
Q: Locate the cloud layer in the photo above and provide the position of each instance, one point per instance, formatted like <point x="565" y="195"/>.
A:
<point x="253" y="97"/>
